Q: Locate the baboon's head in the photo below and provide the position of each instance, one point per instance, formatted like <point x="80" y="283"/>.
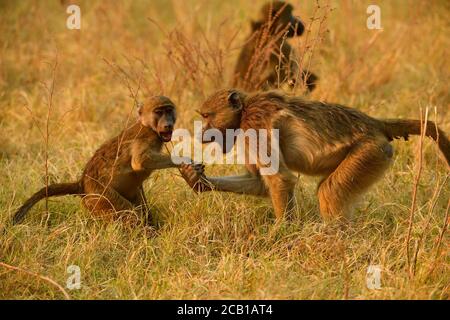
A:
<point x="158" y="113"/>
<point x="277" y="16"/>
<point x="222" y="111"/>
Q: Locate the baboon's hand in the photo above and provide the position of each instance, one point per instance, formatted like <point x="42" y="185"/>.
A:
<point x="192" y="173"/>
<point x="186" y="161"/>
<point x="199" y="168"/>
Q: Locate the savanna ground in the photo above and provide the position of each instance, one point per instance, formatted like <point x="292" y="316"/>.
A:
<point x="215" y="245"/>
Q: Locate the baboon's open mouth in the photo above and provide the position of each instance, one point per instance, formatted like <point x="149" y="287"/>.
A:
<point x="166" y="136"/>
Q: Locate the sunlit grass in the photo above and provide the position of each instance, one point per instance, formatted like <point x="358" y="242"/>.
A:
<point x="214" y="245"/>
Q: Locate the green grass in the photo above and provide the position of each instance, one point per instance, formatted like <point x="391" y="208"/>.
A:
<point x="214" y="245"/>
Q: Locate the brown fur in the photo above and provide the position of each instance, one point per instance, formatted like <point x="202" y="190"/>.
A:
<point x="112" y="179"/>
<point x="348" y="148"/>
<point x="266" y="51"/>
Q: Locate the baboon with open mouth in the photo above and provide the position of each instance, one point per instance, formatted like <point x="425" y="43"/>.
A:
<point x="112" y="179"/>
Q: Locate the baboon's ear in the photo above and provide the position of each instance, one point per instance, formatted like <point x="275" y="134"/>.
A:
<point x="235" y="100"/>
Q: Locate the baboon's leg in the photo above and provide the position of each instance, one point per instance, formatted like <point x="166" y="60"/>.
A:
<point x="142" y="199"/>
<point x="107" y="204"/>
<point x="142" y="205"/>
<point x="362" y="167"/>
<point x="281" y="189"/>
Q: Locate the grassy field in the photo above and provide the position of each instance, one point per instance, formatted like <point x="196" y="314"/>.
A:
<point x="63" y="92"/>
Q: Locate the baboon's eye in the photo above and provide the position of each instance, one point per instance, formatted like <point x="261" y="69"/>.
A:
<point x="203" y="115"/>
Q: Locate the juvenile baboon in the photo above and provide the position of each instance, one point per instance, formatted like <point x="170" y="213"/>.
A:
<point x="112" y="179"/>
<point x="267" y="60"/>
<point x="348" y="148"/>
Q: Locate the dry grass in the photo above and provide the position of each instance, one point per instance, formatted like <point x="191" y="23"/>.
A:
<point x="216" y="245"/>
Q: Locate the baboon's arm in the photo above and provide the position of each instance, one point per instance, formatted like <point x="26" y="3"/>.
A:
<point x="153" y="161"/>
<point x="250" y="184"/>
<point x="244" y="184"/>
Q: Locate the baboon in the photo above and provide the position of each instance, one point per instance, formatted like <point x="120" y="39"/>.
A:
<point x="267" y="60"/>
<point x="348" y="148"/>
<point x="112" y="179"/>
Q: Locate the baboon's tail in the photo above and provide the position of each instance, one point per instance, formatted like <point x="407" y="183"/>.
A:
<point x="396" y="129"/>
<point x="57" y="189"/>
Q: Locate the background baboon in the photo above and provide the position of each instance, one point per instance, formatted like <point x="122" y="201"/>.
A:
<point x="350" y="149"/>
<point x="112" y="179"/>
<point x="267" y="60"/>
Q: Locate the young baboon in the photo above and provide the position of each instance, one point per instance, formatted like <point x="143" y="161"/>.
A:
<point x="112" y="179"/>
<point x="267" y="60"/>
<point x="348" y="148"/>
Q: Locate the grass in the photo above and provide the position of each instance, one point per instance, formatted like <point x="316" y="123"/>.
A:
<point x="215" y="245"/>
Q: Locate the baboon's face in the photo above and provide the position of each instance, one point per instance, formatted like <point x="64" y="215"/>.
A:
<point x="222" y="111"/>
<point x="158" y="113"/>
<point x="279" y="14"/>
